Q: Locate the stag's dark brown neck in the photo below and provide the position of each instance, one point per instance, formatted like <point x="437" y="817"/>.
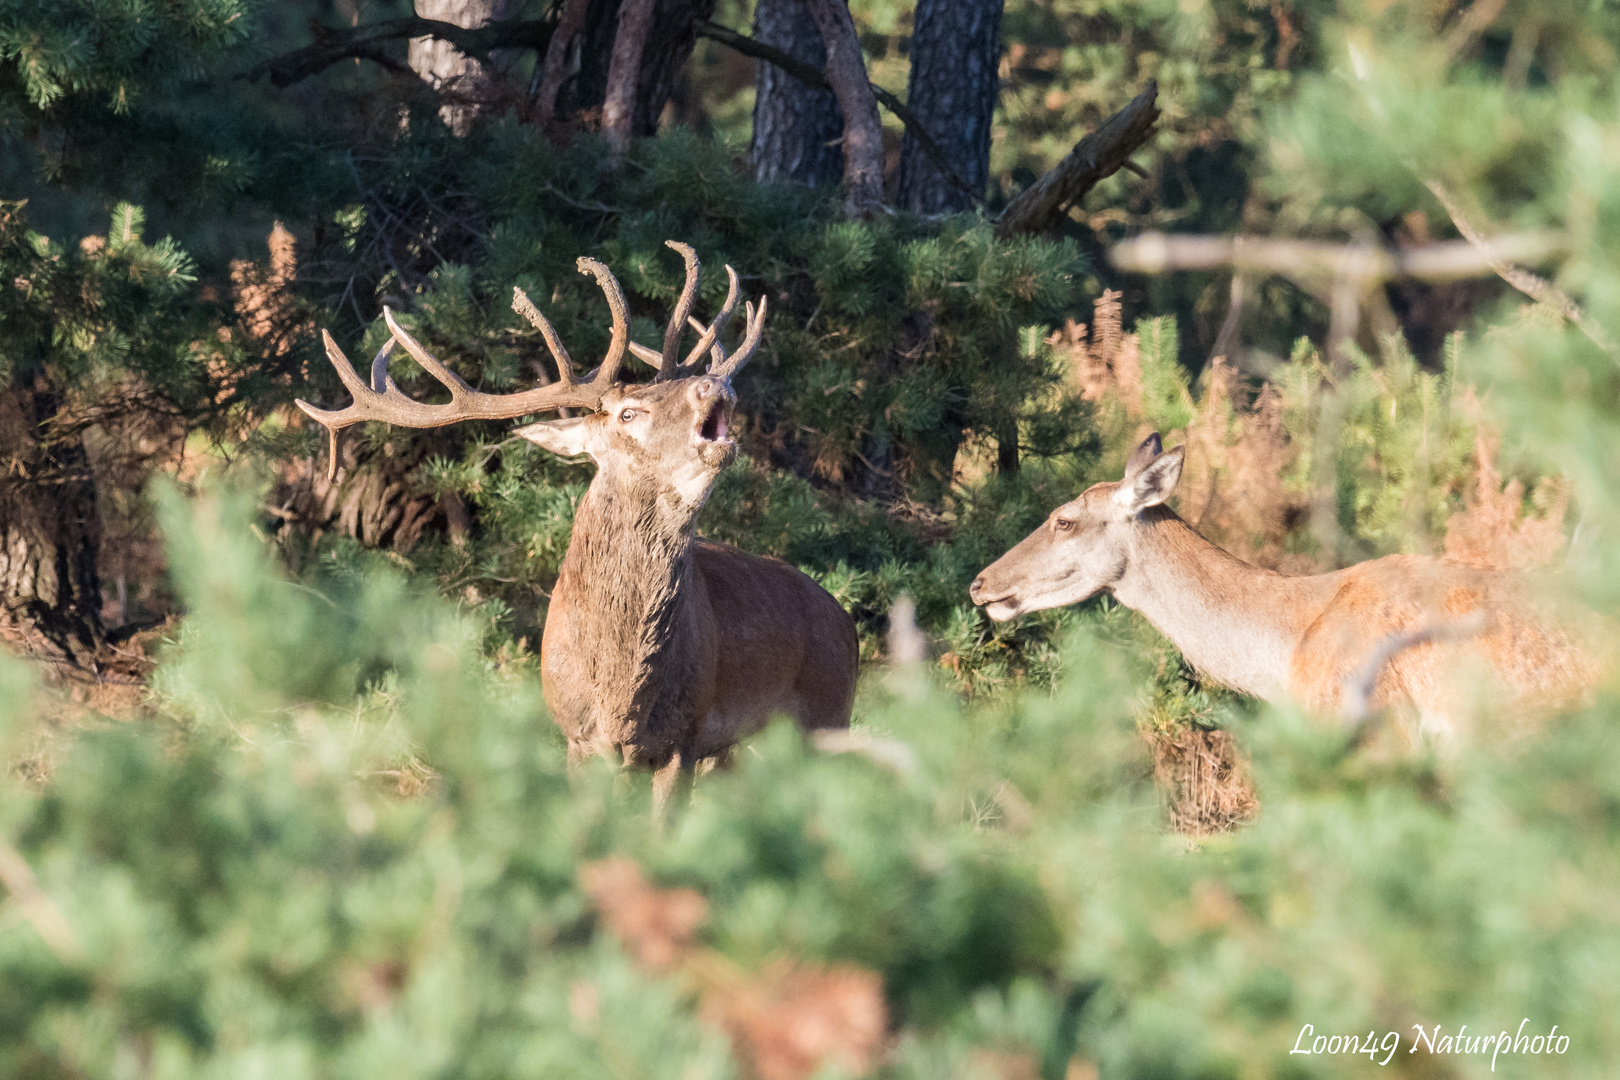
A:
<point x="629" y="564"/>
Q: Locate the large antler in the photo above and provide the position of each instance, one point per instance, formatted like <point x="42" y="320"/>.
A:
<point x="383" y="400"/>
<point x="708" y="336"/>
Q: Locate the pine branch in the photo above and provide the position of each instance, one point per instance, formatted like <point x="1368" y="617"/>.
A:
<point x="366" y="43"/>
<point x="1093" y="159"/>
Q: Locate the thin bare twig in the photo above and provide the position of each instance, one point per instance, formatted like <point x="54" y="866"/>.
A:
<point x="40" y="911"/>
<point x="1356" y="695"/>
<point x="1536" y="288"/>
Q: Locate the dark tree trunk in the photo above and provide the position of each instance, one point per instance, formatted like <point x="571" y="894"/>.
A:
<point x="955" y="51"/>
<point x="668" y="46"/>
<point x="50" y="593"/>
<point x="796" y="128"/>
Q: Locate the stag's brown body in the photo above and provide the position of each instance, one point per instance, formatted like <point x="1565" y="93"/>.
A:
<point x="721" y="662"/>
<point x="1428" y="635"/>
<point x="660" y="649"/>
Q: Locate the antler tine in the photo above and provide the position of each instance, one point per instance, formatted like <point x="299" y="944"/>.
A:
<point x="711" y="336"/>
<point x="335" y="422"/>
<point x="383" y="400"/>
<point x="668" y="364"/>
<point x="717" y="355"/>
<point x="525" y="307"/>
<point x="621" y="321"/>
<point x="454" y="383"/>
<point x="754" y="319"/>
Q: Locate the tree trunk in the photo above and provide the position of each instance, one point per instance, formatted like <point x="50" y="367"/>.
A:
<point x="466" y="84"/>
<point x="624" y="70"/>
<point x="49" y="530"/>
<point x="796" y="127"/>
<point x="863" y="132"/>
<point x="663" y="60"/>
<point x="557" y="65"/>
<point x="582" y="87"/>
<point x="955" y="52"/>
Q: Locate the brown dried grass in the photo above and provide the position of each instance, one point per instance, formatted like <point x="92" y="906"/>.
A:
<point x="264" y="293"/>
<point x="788" y="1021"/>
<point x="1496" y="528"/>
<point x="1203" y="779"/>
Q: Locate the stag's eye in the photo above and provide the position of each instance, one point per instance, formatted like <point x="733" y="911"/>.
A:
<point x="627" y="415"/>
<point x="1062" y="524"/>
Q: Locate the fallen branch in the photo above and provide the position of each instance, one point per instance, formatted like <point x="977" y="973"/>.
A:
<point x="1454" y="260"/>
<point x="1094" y="158"/>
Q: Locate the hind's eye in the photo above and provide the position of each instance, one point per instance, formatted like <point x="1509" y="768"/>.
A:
<point x="1062" y="524"/>
<point x="627" y="416"/>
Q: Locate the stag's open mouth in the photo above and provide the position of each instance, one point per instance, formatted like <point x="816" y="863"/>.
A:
<point x="716" y="422"/>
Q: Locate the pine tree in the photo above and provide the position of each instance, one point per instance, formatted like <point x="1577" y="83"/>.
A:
<point x="796" y="127"/>
<point x="85" y="335"/>
<point x="953" y="91"/>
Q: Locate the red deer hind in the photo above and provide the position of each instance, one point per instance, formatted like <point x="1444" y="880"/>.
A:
<point x="659" y="647"/>
<point x="1392" y="624"/>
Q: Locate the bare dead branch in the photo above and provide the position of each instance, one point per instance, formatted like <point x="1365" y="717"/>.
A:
<point x="1500" y="260"/>
<point x="1094" y="158"/>
<point x="1156" y="253"/>
<point x="366" y="43"/>
<point x="1356" y="695"/>
<point x="42" y="914"/>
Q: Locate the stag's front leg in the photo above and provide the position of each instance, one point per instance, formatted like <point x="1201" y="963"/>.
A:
<point x="672" y="785"/>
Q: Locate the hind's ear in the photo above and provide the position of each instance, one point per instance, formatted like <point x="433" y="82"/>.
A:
<point x="1151" y="448"/>
<point x="569" y="437"/>
<point x="1153" y="483"/>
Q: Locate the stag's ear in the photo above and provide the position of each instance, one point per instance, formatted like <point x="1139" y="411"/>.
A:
<point x="1151" y="448"/>
<point x="569" y="437"/>
<point x="1152" y="483"/>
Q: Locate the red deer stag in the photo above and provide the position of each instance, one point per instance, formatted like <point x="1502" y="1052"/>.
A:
<point x="1406" y="624"/>
<point x="659" y="647"/>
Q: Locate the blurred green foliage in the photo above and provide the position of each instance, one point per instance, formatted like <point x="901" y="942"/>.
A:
<point x="245" y="891"/>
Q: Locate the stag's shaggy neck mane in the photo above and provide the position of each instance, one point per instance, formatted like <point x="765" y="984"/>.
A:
<point x="630" y="560"/>
<point x="1234" y="622"/>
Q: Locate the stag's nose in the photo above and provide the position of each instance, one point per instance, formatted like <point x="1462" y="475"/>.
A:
<point x="975" y="588"/>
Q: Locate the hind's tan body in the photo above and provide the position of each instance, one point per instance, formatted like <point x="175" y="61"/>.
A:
<point x="1303" y="638"/>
